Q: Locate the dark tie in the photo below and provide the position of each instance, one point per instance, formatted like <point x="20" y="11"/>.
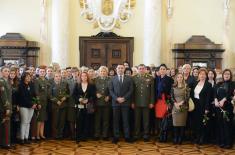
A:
<point x="120" y="78"/>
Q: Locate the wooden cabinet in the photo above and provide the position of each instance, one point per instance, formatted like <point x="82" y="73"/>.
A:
<point x="109" y="51"/>
<point x="15" y="49"/>
<point x="198" y="51"/>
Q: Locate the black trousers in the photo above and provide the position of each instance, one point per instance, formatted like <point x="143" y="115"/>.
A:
<point x="199" y="129"/>
<point x="117" y="113"/>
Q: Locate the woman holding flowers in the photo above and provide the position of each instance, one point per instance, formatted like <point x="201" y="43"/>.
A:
<point x="224" y="91"/>
<point x="58" y="97"/>
<point x="180" y="94"/>
<point x="201" y="95"/>
<point x="84" y="94"/>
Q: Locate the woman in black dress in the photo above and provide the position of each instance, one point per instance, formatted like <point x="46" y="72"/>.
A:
<point x="224" y="91"/>
<point x="84" y="94"/>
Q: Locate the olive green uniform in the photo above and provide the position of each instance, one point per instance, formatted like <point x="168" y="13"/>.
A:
<point x="102" y="114"/>
<point x="5" y="104"/>
<point x="143" y="96"/>
<point x="58" y="91"/>
<point x="42" y="88"/>
<point x="70" y="114"/>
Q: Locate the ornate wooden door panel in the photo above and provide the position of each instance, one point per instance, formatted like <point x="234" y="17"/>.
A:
<point x="97" y="51"/>
<point x="95" y="54"/>
<point x="116" y="54"/>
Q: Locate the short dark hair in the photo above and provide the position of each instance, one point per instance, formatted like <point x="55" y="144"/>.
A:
<point x="128" y="69"/>
<point x="163" y="65"/>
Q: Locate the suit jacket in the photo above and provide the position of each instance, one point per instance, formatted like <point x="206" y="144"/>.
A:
<point x="121" y="89"/>
<point x="205" y="95"/>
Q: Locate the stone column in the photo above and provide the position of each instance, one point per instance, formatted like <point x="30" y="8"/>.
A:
<point x="152" y="32"/>
<point x="60" y="32"/>
<point x="44" y="50"/>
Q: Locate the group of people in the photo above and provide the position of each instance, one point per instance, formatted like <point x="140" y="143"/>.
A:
<point x="137" y="103"/>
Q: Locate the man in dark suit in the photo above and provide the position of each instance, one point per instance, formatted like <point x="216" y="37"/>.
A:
<point x="121" y="88"/>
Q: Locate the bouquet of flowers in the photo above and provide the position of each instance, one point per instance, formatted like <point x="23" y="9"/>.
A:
<point x="205" y="119"/>
<point x="35" y="100"/>
<point x="63" y="94"/>
<point x="84" y="98"/>
<point x="225" y="115"/>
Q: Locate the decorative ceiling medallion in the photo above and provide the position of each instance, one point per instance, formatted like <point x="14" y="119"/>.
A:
<point x="107" y="14"/>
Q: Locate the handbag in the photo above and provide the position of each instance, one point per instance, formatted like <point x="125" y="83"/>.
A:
<point x="161" y="107"/>
<point x="191" y="105"/>
<point x="90" y="107"/>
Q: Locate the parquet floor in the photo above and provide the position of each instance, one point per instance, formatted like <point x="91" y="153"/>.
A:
<point x="65" y="147"/>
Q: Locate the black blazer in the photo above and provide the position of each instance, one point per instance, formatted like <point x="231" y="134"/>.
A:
<point x="90" y="92"/>
<point x="118" y="89"/>
<point x="228" y="94"/>
<point x="205" y="95"/>
<point x="166" y="86"/>
<point x="25" y="95"/>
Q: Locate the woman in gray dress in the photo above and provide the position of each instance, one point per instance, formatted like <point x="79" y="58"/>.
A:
<point x="179" y="95"/>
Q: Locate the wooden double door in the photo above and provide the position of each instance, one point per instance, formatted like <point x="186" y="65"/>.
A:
<point x="98" y="51"/>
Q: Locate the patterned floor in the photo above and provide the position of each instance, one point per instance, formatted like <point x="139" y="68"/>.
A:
<point x="53" y="147"/>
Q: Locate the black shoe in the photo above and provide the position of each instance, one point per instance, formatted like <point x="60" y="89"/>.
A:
<point x="96" y="138"/>
<point x="27" y="141"/>
<point x="128" y="140"/>
<point x="115" y="140"/>
<point x="179" y="141"/>
<point x="175" y="141"/>
<point x="38" y="139"/>
<point x="7" y="147"/>
<point x="227" y="146"/>
<point x="146" y="139"/>
<point x="222" y="145"/>
<point x="201" y="141"/>
<point x="21" y="142"/>
<point x="105" y="138"/>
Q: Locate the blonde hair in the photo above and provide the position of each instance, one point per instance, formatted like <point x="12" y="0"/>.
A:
<point x="176" y="82"/>
<point x="103" y="67"/>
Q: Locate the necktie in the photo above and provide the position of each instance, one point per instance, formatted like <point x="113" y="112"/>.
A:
<point x="120" y="78"/>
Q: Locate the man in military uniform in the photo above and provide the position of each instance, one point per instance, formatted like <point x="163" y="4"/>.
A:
<point x="143" y="100"/>
<point x="6" y="108"/>
<point x="70" y="110"/>
<point x="59" y="94"/>
<point x="102" y="114"/>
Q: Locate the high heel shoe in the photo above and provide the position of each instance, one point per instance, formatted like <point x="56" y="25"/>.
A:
<point x="42" y="137"/>
<point x="38" y="138"/>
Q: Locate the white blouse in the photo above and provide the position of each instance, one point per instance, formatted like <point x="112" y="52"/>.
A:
<point x="197" y="91"/>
